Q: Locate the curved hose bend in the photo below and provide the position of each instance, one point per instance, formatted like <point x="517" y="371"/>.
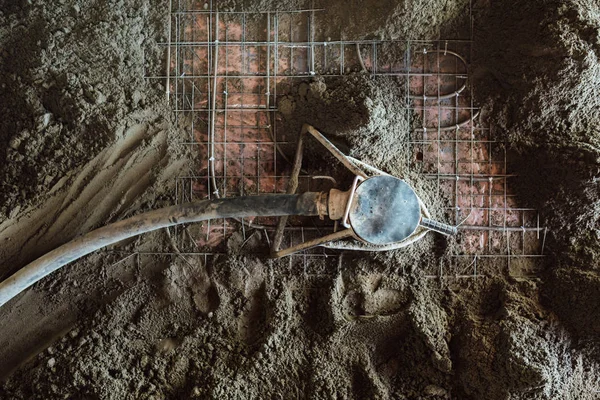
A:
<point x="269" y="205"/>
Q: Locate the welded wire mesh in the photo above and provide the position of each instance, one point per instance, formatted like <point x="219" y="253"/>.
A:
<point x="225" y="75"/>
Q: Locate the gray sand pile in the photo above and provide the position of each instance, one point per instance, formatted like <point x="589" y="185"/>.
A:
<point x="244" y="326"/>
<point x="72" y="75"/>
<point x="540" y="73"/>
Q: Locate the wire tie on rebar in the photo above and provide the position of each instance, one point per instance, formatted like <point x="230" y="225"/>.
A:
<point x="225" y="92"/>
<point x="490" y="179"/>
<point x="313" y="73"/>
<point x="216" y="192"/>
<point x="457" y="178"/>
<point x="523" y="227"/>
<point x="216" y="41"/>
<point x="267" y="93"/>
<point x="182" y="74"/>
<point x="212" y="159"/>
<point x="424" y="50"/>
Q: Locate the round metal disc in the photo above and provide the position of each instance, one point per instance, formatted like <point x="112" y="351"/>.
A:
<point x="385" y="210"/>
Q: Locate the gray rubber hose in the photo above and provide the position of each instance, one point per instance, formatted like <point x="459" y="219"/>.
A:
<point x="250" y="206"/>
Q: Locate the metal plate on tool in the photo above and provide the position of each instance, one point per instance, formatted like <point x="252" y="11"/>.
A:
<point x="385" y="210"/>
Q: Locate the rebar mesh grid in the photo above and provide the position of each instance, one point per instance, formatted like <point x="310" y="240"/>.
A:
<point x="225" y="76"/>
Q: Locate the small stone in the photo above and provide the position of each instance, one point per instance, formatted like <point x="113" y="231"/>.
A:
<point x="210" y="314"/>
<point x="100" y="97"/>
<point x="287" y="106"/>
<point x="51" y="362"/>
<point x="136" y="97"/>
<point x="303" y="89"/>
<point x="434" y="390"/>
<point x="317" y="88"/>
<point x="206" y="6"/>
<point x="144" y="361"/>
<point x="15" y="212"/>
<point x="166" y="345"/>
<point x="46" y="119"/>
<point x="14" y="143"/>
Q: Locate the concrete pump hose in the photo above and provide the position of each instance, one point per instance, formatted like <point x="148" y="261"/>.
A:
<point x="269" y="205"/>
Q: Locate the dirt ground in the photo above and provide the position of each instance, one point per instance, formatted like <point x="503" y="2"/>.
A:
<point x="85" y="140"/>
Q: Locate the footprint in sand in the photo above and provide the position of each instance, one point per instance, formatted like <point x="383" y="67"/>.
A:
<point x="368" y="297"/>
